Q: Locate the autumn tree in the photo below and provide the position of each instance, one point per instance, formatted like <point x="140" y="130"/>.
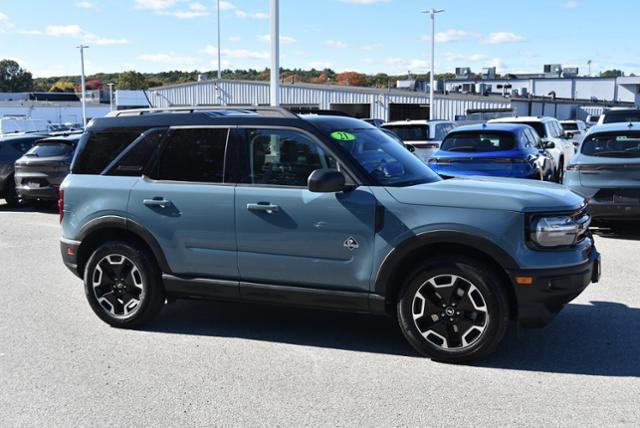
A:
<point x="351" y="78"/>
<point x="62" y="86"/>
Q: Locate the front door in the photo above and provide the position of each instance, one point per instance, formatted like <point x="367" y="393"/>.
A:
<point x="290" y="236"/>
<point x="187" y="206"/>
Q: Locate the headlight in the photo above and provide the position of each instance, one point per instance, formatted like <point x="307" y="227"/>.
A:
<point x="560" y="231"/>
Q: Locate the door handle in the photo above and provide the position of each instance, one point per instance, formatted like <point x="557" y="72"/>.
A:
<point x="263" y="207"/>
<point x="157" y="202"/>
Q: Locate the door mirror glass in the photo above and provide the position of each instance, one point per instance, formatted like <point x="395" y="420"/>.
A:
<point x="549" y="145"/>
<point x="326" y="181"/>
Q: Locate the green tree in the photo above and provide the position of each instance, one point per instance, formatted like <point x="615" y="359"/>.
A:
<point x="62" y="86"/>
<point x="14" y="78"/>
<point x="612" y="73"/>
<point x="132" y="80"/>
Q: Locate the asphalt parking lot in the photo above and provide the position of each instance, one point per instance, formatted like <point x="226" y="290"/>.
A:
<point x="206" y="363"/>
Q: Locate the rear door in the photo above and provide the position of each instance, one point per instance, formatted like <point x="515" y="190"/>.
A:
<point x="290" y="236"/>
<point x="186" y="204"/>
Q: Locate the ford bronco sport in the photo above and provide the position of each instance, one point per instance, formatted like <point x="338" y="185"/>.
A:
<point x="264" y="205"/>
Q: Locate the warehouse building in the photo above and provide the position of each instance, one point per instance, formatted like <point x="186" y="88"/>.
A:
<point x="386" y="104"/>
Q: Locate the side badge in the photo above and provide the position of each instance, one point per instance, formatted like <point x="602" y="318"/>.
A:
<point x="351" y="244"/>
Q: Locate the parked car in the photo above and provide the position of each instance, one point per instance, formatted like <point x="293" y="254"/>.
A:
<point x="11" y="148"/>
<point x="617" y="115"/>
<point x="424" y="135"/>
<point x="555" y="141"/>
<point x="592" y="120"/>
<point x="398" y="139"/>
<point x="606" y="171"/>
<point x="375" y="122"/>
<point x="498" y="150"/>
<point x="315" y="211"/>
<point x="575" y="129"/>
<point x="40" y="171"/>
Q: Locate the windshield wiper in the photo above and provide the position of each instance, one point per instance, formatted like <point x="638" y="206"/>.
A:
<point x="470" y="149"/>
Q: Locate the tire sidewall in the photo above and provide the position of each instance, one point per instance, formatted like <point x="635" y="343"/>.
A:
<point x="484" y="280"/>
<point x="150" y="279"/>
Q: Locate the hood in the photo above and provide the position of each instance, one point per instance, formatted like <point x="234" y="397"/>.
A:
<point x="490" y="193"/>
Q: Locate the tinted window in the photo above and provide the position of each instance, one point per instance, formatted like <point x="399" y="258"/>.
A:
<point x="136" y="158"/>
<point x="570" y="126"/>
<point x="23" y="145"/>
<point x="410" y="133"/>
<point x="478" y="142"/>
<point x="101" y="148"/>
<point x="441" y="131"/>
<point x="43" y="150"/>
<point x="537" y="126"/>
<point x="194" y="155"/>
<point x="625" y="145"/>
<point x="387" y="162"/>
<point x="622" y="116"/>
<point x="283" y="158"/>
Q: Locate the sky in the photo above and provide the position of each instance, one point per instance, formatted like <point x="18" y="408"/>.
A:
<point x="368" y="36"/>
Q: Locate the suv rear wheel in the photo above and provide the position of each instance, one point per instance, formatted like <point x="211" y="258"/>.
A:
<point x="453" y="309"/>
<point x="123" y="285"/>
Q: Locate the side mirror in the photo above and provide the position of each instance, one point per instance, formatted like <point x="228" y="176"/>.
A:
<point x="410" y="147"/>
<point x="549" y="145"/>
<point x="326" y="181"/>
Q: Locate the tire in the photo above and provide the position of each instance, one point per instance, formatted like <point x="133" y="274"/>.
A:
<point x="474" y="322"/>
<point x="10" y="194"/>
<point x="560" y="172"/>
<point x="119" y="274"/>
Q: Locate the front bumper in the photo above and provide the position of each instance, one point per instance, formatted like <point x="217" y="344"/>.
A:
<point x="551" y="289"/>
<point x="69" y="252"/>
<point x="613" y="211"/>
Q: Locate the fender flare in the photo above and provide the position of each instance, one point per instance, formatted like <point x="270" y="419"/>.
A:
<point x="128" y="225"/>
<point x="395" y="257"/>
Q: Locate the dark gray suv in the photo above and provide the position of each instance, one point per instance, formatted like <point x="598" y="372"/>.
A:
<point x="11" y="148"/>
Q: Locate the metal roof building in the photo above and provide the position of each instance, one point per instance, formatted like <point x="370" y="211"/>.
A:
<point x="387" y="104"/>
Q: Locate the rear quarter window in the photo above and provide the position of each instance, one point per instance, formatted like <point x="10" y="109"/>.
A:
<point x="101" y="148"/>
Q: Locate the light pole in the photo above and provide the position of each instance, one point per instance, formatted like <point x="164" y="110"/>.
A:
<point x="589" y="64"/>
<point x="84" y="89"/>
<point x="275" y="54"/>
<point x="219" y="61"/>
<point x="110" y="96"/>
<point x="433" y="13"/>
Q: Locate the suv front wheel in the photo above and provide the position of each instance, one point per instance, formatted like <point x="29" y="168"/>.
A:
<point x="123" y="285"/>
<point x="453" y="309"/>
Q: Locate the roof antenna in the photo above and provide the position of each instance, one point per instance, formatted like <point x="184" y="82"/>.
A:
<point x="630" y="125"/>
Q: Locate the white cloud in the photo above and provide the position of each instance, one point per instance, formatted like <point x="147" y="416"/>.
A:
<point x="225" y="5"/>
<point x="336" y="44"/>
<point x="453" y="35"/>
<point x="167" y="58"/>
<point x="235" y="39"/>
<point x="104" y="41"/>
<point x="154" y="4"/>
<point x="257" y="15"/>
<point x="454" y="57"/>
<point x="77" y="32"/>
<point x="285" y="40"/>
<point x="185" y="14"/>
<point x="570" y="5"/>
<point x="236" y="53"/>
<point x="503" y="37"/>
<point x="372" y="47"/>
<point x="3" y="17"/>
<point x="64" y="30"/>
<point x="85" y="5"/>
<point x="260" y="15"/>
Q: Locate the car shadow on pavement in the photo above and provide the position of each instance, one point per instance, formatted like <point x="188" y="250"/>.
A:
<point x="46" y="208"/>
<point x="623" y="230"/>
<point x="600" y="339"/>
<point x="307" y="327"/>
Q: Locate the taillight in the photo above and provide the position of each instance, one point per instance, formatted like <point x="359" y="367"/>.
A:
<point x="61" y="204"/>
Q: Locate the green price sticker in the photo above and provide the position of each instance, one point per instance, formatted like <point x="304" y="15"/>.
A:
<point x="343" y="136"/>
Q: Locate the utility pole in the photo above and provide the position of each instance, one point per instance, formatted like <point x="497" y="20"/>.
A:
<point x="589" y="64"/>
<point x="82" y="83"/>
<point x="432" y="13"/>
<point x="275" y="53"/>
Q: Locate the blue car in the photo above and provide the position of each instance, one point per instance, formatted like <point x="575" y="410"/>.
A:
<point x="606" y="171"/>
<point x="496" y="150"/>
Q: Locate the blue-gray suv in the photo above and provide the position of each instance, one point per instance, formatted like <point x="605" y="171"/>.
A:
<point x="329" y="212"/>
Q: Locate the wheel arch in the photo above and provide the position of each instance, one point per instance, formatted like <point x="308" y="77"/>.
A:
<point x="390" y="278"/>
<point x="109" y="228"/>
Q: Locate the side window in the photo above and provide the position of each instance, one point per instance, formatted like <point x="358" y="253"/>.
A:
<point x="23" y="145"/>
<point x="282" y="157"/>
<point x="193" y="155"/>
<point x="135" y="159"/>
<point x="441" y="132"/>
<point x="101" y="148"/>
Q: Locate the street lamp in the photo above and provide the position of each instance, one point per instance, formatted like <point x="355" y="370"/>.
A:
<point x="275" y="53"/>
<point x="84" y="89"/>
<point x="433" y="13"/>
<point x="219" y="61"/>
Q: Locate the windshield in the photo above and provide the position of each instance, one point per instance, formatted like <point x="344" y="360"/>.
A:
<point x="410" y="132"/>
<point x="478" y="142"/>
<point x="621" y="116"/>
<point x="625" y="145"/>
<point x="387" y="162"/>
<point x="50" y="149"/>
<point x="570" y="126"/>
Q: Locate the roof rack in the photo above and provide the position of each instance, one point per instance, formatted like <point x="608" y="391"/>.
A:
<point x="263" y="111"/>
